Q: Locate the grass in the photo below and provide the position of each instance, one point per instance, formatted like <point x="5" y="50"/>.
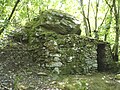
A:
<point x="97" y="81"/>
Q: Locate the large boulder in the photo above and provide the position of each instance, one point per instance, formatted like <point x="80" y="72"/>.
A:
<point x="57" y="21"/>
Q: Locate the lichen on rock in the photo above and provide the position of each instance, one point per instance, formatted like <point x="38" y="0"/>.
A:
<point x="56" y="21"/>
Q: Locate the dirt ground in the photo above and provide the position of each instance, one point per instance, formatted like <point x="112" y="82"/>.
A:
<point x="29" y="76"/>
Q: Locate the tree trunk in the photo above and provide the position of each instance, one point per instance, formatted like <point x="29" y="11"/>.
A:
<point x="84" y="18"/>
<point x="116" y="14"/>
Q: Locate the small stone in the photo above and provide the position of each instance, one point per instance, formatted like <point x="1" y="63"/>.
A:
<point x="41" y="74"/>
<point x="117" y="77"/>
<point x="21" y="87"/>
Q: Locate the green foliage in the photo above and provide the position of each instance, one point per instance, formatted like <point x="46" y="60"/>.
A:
<point x="27" y="9"/>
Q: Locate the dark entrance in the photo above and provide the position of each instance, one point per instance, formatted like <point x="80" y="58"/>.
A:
<point x="101" y="57"/>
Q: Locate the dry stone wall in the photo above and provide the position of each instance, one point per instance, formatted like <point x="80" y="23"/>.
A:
<point x="52" y="40"/>
<point x="62" y="54"/>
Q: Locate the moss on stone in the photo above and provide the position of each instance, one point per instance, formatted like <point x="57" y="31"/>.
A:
<point x="65" y="54"/>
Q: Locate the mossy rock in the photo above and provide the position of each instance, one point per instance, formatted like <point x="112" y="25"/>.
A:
<point x="56" y="21"/>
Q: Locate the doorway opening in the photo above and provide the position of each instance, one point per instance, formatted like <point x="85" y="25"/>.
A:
<point x="101" y="57"/>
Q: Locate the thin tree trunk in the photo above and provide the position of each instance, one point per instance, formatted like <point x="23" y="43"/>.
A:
<point x="110" y="21"/>
<point x="116" y="14"/>
<point x="88" y="21"/>
<point x="96" y="16"/>
<point x="9" y="16"/>
<point x="84" y="18"/>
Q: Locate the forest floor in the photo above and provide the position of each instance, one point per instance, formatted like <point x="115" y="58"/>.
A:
<point x="22" y="76"/>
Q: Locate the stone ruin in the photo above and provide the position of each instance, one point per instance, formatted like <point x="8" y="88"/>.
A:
<point x="52" y="40"/>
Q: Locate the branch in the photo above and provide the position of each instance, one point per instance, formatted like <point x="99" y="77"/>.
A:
<point x="13" y="9"/>
<point x="103" y="19"/>
<point x="10" y="16"/>
<point x="108" y="3"/>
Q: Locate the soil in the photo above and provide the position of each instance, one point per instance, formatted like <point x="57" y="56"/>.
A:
<point x="28" y="76"/>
